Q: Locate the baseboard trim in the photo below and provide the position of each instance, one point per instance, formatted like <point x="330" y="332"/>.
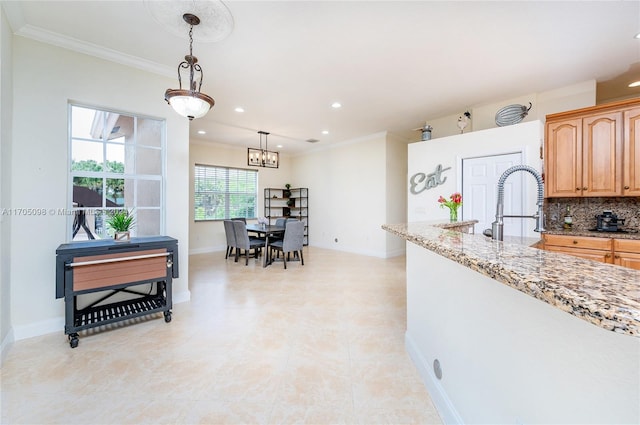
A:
<point x="57" y="324"/>
<point x="441" y="400"/>
<point x="7" y="342"/>
<point x="206" y="250"/>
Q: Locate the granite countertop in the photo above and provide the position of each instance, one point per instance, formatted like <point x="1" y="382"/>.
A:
<point x="455" y="224"/>
<point x="602" y="294"/>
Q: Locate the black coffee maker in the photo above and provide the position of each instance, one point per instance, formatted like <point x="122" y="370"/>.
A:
<point x="609" y="222"/>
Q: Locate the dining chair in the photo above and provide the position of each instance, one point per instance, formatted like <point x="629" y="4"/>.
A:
<point x="244" y="243"/>
<point x="242" y="219"/>
<point x="231" y="237"/>
<point x="293" y="241"/>
<point x="280" y="222"/>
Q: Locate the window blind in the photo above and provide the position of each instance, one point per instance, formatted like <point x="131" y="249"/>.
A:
<point x="223" y="193"/>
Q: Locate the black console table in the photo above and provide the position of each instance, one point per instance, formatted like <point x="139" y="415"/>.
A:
<point x="115" y="268"/>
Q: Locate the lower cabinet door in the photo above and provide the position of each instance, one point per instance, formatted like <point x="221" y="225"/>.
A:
<point x="627" y="259"/>
<point x="601" y="256"/>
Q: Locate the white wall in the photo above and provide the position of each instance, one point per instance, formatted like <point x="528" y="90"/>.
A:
<point x="507" y="357"/>
<point x="6" y="115"/>
<point x="396" y="194"/>
<point x="449" y="151"/>
<point x="46" y="78"/>
<point x="483" y="116"/>
<point x="349" y="194"/>
<point x="208" y="236"/>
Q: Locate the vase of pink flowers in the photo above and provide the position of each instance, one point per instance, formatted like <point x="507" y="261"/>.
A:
<point x="454" y="202"/>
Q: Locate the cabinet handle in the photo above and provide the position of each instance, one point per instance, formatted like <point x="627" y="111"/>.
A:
<point x="575" y="242"/>
<point x="608" y="256"/>
<point x="626" y="188"/>
<point x="616" y="256"/>
<point x="577" y="188"/>
<point x="584" y="188"/>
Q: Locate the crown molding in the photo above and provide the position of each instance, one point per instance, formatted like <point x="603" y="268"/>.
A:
<point x="80" y="46"/>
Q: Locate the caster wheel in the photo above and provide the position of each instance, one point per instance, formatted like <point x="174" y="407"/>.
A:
<point x="73" y="340"/>
<point x="167" y="317"/>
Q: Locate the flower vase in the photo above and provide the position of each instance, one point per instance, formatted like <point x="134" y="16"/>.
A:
<point x="453" y="215"/>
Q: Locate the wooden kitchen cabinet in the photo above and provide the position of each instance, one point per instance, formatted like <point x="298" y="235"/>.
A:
<point x="563" y="158"/>
<point x="626" y="253"/>
<point x="623" y="252"/>
<point x="596" y="249"/>
<point x="631" y="160"/>
<point x="602" y="154"/>
<point x="594" y="151"/>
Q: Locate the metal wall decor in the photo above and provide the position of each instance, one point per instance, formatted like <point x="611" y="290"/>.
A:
<point x="420" y="181"/>
<point x="511" y="114"/>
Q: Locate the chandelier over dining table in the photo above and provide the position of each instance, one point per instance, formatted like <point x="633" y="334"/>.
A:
<point x="263" y="157"/>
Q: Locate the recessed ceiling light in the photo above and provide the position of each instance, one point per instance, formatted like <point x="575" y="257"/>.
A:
<point x="635" y="84"/>
<point x="325" y="131"/>
<point x="637" y="35"/>
<point x="336" y="105"/>
<point x="202" y="132"/>
<point x="239" y="109"/>
<point x="279" y="146"/>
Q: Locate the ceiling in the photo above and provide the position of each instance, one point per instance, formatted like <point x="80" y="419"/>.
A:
<point x="390" y="64"/>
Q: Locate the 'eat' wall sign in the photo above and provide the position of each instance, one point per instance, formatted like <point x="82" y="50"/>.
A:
<point x="421" y="181"/>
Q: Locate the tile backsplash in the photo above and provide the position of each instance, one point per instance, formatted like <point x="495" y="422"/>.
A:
<point x="584" y="211"/>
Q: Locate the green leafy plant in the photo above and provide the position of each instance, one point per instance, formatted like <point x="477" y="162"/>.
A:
<point x="288" y="186"/>
<point x="121" y="220"/>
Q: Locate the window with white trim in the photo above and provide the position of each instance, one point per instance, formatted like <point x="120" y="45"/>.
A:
<point x="222" y="193"/>
<point x="116" y="161"/>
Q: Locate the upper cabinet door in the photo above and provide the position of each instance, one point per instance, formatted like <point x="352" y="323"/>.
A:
<point x="631" y="156"/>
<point x="564" y="159"/>
<point x="602" y="155"/>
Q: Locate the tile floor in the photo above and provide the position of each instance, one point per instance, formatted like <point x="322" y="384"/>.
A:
<point x="321" y="343"/>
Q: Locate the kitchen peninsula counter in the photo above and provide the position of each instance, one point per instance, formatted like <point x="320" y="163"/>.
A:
<point x="504" y="333"/>
<point x="602" y="294"/>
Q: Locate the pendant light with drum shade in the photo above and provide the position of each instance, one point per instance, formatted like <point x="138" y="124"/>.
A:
<point x="191" y="102"/>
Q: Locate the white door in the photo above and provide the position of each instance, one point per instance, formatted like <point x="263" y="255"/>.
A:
<point x="480" y="192"/>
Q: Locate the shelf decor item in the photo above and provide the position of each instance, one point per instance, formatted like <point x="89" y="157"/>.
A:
<point x="425" y="132"/>
<point x="511" y="114"/>
<point x="454" y="202"/>
<point x="121" y="222"/>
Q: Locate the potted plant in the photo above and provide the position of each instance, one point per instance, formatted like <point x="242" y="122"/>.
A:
<point x="286" y="193"/>
<point x="121" y="222"/>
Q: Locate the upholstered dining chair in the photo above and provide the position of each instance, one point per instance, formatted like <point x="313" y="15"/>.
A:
<point x="244" y="243"/>
<point x="229" y="232"/>
<point x="293" y="241"/>
<point x="280" y="222"/>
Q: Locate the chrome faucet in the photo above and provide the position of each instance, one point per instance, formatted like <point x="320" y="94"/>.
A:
<point x="498" y="225"/>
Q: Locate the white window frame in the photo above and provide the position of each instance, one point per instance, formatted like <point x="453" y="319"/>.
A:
<point x="111" y="175"/>
<point x="227" y="193"/>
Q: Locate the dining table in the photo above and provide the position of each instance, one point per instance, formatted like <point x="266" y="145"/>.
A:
<point x="266" y="230"/>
